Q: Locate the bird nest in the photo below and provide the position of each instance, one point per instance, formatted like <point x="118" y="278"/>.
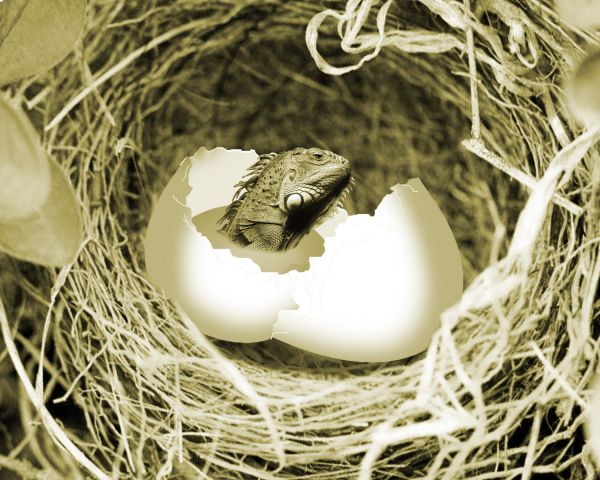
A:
<point x="468" y="100"/>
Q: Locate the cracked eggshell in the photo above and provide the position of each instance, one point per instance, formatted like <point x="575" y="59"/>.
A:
<point x="227" y="297"/>
<point x="373" y="292"/>
<point x="377" y="292"/>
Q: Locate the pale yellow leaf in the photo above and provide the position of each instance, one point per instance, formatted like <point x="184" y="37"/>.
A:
<point x="38" y="35"/>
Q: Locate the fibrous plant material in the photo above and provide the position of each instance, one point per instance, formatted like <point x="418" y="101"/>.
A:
<point x="467" y="99"/>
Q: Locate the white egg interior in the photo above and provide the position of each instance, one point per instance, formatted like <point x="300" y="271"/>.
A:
<point x="373" y="293"/>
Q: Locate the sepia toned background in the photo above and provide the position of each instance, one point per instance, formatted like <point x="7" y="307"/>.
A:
<point x="467" y="96"/>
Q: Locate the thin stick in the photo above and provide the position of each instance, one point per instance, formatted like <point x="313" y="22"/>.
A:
<point x="478" y="148"/>
<point x="475" y="119"/>
<point x="558" y="377"/>
<point x="531" y="448"/>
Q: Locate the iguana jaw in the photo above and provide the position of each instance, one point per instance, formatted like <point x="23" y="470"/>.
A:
<point x="312" y="214"/>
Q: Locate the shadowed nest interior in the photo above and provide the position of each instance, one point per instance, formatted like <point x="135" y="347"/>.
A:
<point x="502" y="389"/>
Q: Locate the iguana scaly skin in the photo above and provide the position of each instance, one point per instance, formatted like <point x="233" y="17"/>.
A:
<point x="285" y="195"/>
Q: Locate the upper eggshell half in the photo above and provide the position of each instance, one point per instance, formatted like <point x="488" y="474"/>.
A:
<point x="227" y="297"/>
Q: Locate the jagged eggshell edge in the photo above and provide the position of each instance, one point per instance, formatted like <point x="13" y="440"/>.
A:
<point x="227" y="297"/>
<point x="374" y="295"/>
<point x="377" y="292"/>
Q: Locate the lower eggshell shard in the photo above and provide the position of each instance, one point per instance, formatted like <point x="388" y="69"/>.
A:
<point x="374" y="294"/>
<point x="377" y="292"/>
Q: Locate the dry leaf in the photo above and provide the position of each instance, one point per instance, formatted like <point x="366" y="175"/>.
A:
<point x="50" y="235"/>
<point x="10" y="12"/>
<point x="24" y="170"/>
<point x="36" y="34"/>
<point x="39" y="219"/>
<point x="580" y="13"/>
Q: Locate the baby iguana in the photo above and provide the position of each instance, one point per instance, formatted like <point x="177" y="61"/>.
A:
<point x="284" y="195"/>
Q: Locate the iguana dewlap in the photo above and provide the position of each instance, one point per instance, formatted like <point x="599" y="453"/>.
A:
<point x="284" y="196"/>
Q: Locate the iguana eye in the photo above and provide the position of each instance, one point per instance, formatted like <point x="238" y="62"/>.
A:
<point x="317" y="155"/>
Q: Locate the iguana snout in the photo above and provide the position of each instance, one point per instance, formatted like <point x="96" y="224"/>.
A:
<point x="314" y="177"/>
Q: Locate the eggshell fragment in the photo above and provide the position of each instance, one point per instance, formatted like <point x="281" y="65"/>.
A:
<point x="378" y="290"/>
<point x="227" y="297"/>
<point x="372" y="292"/>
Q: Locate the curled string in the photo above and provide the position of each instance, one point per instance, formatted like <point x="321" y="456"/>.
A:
<point x="350" y="23"/>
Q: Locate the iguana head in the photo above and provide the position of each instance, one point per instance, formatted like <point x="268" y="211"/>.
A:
<point x="284" y="196"/>
<point x="314" y="182"/>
